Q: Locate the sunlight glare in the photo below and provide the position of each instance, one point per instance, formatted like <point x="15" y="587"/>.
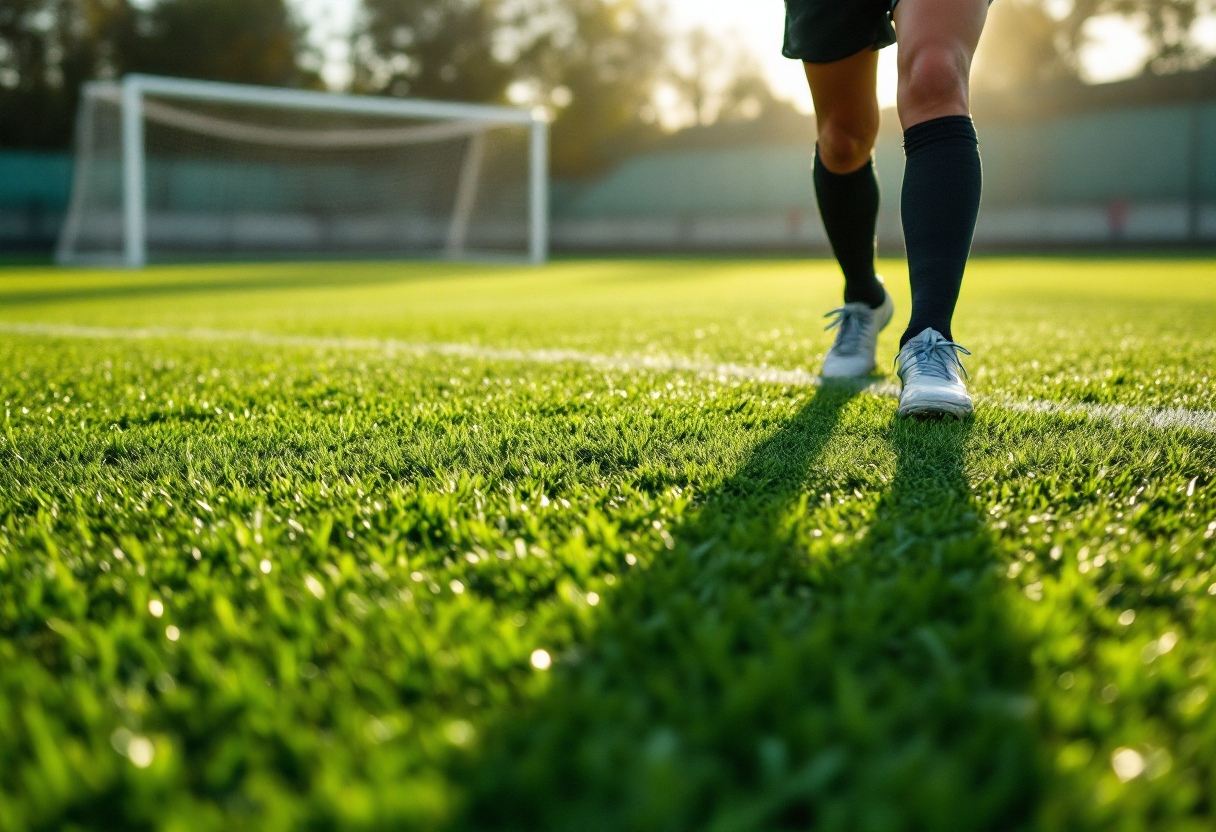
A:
<point x="1116" y="49"/>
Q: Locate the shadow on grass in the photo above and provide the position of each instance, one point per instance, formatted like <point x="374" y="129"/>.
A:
<point x="761" y="676"/>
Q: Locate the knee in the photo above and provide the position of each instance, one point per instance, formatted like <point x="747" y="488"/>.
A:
<point x="934" y="78"/>
<point x="845" y="147"/>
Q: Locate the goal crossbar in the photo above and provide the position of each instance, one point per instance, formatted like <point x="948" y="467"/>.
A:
<point x="221" y="92"/>
<point x="452" y="119"/>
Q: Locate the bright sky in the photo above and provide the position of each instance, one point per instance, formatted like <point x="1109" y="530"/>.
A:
<point x="759" y="24"/>
<point x="1118" y="50"/>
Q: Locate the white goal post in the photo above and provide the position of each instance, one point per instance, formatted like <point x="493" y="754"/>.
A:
<point x="169" y="168"/>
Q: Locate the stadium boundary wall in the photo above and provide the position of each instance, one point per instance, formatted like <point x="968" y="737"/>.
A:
<point x="1133" y="177"/>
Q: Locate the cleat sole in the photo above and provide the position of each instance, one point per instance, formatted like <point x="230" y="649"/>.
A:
<point x="930" y="410"/>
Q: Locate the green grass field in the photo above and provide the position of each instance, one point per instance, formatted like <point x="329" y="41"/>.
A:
<point x="323" y="547"/>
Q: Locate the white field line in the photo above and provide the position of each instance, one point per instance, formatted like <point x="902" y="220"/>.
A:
<point x="1115" y="414"/>
<point x="1120" y="415"/>
<point x="654" y="363"/>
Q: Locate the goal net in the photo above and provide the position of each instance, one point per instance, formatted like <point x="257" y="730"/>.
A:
<point x="169" y="169"/>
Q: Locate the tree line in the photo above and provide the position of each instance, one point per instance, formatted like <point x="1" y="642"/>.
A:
<point x="596" y="64"/>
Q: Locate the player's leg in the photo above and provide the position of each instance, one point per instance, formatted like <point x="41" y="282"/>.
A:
<point x="846" y="188"/>
<point x="941" y="193"/>
<point x="837" y="43"/>
<point x="942" y="179"/>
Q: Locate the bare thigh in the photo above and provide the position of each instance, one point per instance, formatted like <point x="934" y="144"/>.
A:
<point x="846" y="109"/>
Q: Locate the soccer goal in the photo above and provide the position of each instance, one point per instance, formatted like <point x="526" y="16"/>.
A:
<point x="171" y="169"/>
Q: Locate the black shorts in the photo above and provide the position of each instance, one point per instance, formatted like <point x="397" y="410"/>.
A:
<point x="822" y="31"/>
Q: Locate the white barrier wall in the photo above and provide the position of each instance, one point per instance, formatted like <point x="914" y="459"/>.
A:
<point x="999" y="227"/>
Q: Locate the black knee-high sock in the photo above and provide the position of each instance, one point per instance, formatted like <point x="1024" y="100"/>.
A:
<point x="940" y="203"/>
<point x="848" y="204"/>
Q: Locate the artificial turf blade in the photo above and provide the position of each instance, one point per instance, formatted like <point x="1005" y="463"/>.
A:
<point x="377" y="546"/>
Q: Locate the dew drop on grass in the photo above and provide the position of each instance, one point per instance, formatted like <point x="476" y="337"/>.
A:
<point x="593" y="598"/>
<point x="1127" y="617"/>
<point x="1194" y="700"/>
<point x="1127" y="763"/>
<point x="314" y="586"/>
<point x="457" y="587"/>
<point x="265" y="566"/>
<point x="541" y="659"/>
<point x="172" y="633"/>
<point x="140" y="752"/>
<point x="156" y="608"/>
<point x="459" y="732"/>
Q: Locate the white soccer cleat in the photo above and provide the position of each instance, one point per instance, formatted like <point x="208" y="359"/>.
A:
<point x="929" y="368"/>
<point x="857" y="326"/>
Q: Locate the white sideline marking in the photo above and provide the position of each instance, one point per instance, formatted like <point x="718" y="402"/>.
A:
<point x="655" y="363"/>
<point x="1114" y="414"/>
<point x="1120" y="415"/>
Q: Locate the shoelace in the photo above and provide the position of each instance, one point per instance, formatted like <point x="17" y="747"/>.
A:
<point x="935" y="356"/>
<point x="851" y="327"/>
